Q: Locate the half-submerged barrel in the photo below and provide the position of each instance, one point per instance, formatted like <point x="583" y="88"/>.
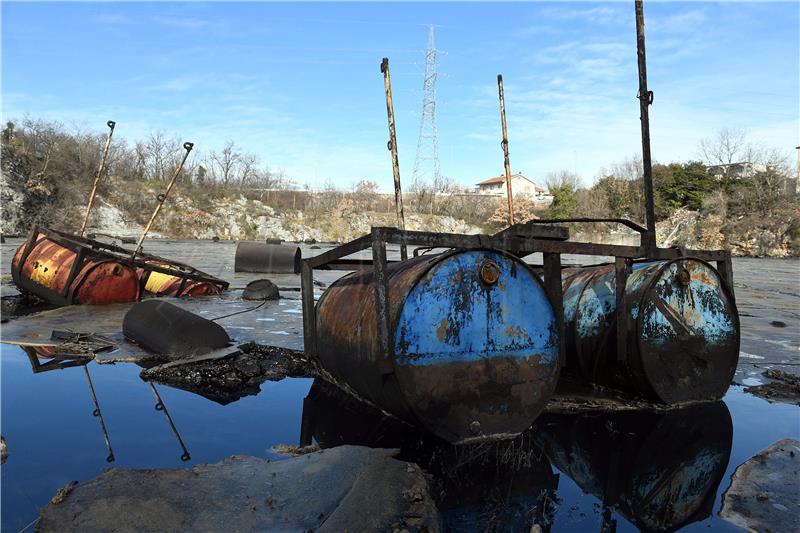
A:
<point x="59" y="274"/>
<point x="265" y="257"/>
<point x="474" y="345"/>
<point x="682" y="330"/>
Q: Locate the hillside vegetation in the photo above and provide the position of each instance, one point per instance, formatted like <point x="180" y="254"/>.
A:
<point x="48" y="169"/>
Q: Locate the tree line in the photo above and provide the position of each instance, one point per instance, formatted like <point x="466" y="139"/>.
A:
<point x="730" y="177"/>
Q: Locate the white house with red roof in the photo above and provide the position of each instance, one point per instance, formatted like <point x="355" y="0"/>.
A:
<point x="520" y="185"/>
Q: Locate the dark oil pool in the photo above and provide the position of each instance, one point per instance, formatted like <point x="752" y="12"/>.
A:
<point x="571" y="472"/>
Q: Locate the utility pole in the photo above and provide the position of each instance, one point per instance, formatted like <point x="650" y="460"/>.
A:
<point x="504" y="144"/>
<point x="426" y="163"/>
<point x="645" y="97"/>
<point x="392" y="145"/>
<point x="797" y="183"/>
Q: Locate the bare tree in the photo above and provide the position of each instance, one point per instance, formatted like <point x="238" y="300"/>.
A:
<point x="161" y="155"/>
<point x="230" y="166"/>
<point x="560" y="178"/>
<point x="727" y="146"/>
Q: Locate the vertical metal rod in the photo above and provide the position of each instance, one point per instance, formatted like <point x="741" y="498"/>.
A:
<point x="97" y="177"/>
<point x="309" y="313"/>
<point x="392" y="145"/>
<point x="382" y="300"/>
<point x="553" y="288"/>
<point x="504" y="144"/>
<point x="645" y="97"/>
<point x="622" y="266"/>
<point x="99" y="415"/>
<point x="161" y="407"/>
<point x="162" y="197"/>
<point x="725" y="269"/>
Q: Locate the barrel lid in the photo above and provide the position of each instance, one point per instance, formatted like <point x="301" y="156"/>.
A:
<point x="476" y="349"/>
<point x="688" y="332"/>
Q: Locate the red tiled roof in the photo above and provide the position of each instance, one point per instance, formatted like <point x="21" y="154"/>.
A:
<point x="502" y="179"/>
<point x="490" y="181"/>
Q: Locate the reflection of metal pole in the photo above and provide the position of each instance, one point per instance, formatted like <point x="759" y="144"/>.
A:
<point x="307" y="423"/>
<point x="608" y="525"/>
<point x="99" y="415"/>
<point x="161" y="407"/>
<point x="504" y="144"/>
<point x="97" y="176"/>
<point x="645" y="100"/>
<point x="162" y="197"/>
<point x="398" y="192"/>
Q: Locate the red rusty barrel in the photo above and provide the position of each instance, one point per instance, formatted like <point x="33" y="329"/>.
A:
<point x="69" y="274"/>
<point x="474" y="348"/>
<point x="162" y="284"/>
<point x="683" y="330"/>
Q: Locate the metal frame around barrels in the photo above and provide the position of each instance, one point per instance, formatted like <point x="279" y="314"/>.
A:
<point x="521" y="240"/>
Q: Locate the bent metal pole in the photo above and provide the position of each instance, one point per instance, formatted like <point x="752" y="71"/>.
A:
<point x="97" y="177"/>
<point x="392" y="145"/>
<point x="645" y="101"/>
<point x="504" y="144"/>
<point x="162" y="197"/>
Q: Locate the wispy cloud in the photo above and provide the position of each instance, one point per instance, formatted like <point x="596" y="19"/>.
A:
<point x="115" y="19"/>
<point x="597" y="14"/>
<point x="186" y="23"/>
<point x="679" y="23"/>
<point x="178" y="84"/>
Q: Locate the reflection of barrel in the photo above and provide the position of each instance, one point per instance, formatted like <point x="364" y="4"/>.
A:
<point x="495" y="486"/>
<point x="474" y="348"/>
<point x="659" y="469"/>
<point x="683" y="330"/>
<point x="61" y="275"/>
<point x="258" y="256"/>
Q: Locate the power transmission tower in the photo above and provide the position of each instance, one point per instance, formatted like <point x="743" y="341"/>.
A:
<point x="426" y="163"/>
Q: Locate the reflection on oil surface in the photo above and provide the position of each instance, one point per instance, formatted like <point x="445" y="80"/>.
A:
<point x="656" y="471"/>
<point x="661" y="470"/>
<point x="499" y="486"/>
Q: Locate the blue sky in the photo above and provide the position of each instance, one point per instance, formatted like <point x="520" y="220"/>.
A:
<point x="299" y="84"/>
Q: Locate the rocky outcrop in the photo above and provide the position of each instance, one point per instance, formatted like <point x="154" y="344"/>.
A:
<point x="746" y="236"/>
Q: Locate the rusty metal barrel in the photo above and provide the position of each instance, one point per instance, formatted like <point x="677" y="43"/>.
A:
<point x="682" y="330"/>
<point x="659" y="469"/>
<point x="64" y="275"/>
<point x="474" y="348"/>
<point x="177" y="285"/>
<point x="268" y="258"/>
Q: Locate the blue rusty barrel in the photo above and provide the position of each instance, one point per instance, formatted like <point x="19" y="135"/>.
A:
<point x="474" y="345"/>
<point x="682" y="324"/>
